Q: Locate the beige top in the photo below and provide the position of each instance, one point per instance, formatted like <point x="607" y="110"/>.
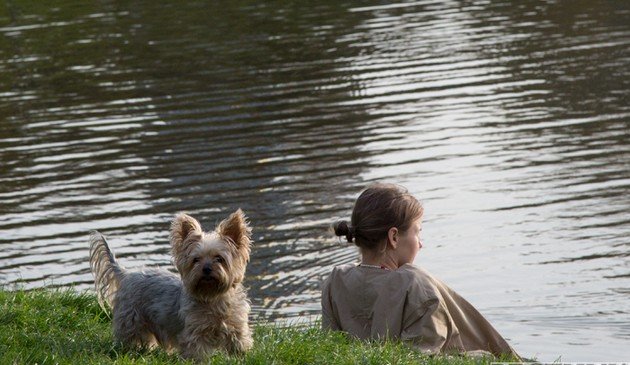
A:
<point x="409" y="304"/>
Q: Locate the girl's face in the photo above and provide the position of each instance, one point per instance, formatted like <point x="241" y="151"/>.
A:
<point x="409" y="243"/>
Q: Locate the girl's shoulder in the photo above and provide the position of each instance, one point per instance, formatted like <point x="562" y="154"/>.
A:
<point x="421" y="282"/>
<point x="340" y="269"/>
<point x="409" y="272"/>
<point x="415" y="271"/>
<point x="337" y="272"/>
<point x="418" y="282"/>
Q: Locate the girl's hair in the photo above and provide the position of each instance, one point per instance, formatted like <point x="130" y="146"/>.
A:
<point x="379" y="208"/>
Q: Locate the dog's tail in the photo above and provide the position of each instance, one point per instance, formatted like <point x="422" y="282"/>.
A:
<point x="107" y="273"/>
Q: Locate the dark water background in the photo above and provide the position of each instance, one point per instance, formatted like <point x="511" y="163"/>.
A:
<point x="510" y="120"/>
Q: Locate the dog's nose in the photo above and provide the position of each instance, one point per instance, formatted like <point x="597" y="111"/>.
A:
<point x="207" y="269"/>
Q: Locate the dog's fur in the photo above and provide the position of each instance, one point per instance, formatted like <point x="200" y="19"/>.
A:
<point x="204" y="310"/>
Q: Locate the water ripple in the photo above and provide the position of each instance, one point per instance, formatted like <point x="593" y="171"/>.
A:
<point x="510" y="121"/>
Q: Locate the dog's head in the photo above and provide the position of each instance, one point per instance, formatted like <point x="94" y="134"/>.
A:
<point x="210" y="263"/>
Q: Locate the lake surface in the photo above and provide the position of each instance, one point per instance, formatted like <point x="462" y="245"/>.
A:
<point x="509" y="120"/>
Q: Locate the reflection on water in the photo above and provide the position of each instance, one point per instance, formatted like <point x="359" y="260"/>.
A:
<point x="509" y="120"/>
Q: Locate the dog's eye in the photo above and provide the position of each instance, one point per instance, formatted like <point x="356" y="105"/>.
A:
<point x="220" y="259"/>
<point x="195" y="260"/>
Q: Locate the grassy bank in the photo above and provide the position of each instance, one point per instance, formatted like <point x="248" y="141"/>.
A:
<point x="65" y="327"/>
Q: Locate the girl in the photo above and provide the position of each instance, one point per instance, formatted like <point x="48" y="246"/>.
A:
<point x="387" y="296"/>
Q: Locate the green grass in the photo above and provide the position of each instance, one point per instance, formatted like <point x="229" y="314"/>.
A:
<point x="66" y="327"/>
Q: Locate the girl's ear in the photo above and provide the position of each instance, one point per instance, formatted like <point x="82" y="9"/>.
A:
<point x="392" y="237"/>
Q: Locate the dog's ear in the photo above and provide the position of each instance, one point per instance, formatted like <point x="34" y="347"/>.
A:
<point x="237" y="230"/>
<point x="183" y="225"/>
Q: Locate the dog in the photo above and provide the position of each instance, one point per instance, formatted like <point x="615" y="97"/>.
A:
<point x="202" y="310"/>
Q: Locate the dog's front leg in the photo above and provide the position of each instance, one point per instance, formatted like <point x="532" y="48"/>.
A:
<point x="194" y="345"/>
<point x="239" y="340"/>
<point x="194" y="351"/>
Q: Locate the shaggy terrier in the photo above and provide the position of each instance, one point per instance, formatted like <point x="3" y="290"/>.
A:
<point x="205" y="309"/>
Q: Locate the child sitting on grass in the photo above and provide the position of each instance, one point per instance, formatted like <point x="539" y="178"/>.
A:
<point x="386" y="296"/>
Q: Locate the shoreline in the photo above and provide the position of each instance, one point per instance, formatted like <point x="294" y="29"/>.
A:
<point x="63" y="326"/>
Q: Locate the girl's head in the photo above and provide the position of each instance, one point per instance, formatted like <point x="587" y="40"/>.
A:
<point x="385" y="216"/>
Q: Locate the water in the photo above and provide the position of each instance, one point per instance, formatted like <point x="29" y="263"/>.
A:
<point x="509" y="120"/>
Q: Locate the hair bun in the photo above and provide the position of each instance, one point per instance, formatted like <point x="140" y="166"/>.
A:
<point x="343" y="229"/>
